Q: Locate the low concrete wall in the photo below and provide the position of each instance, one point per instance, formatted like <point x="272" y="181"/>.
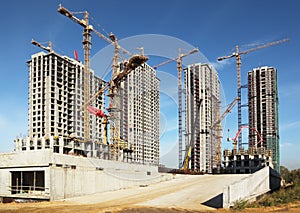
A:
<point x="70" y="176"/>
<point x="95" y="175"/>
<point x="251" y="187"/>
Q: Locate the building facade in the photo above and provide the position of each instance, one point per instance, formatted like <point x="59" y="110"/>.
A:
<point x="140" y="114"/>
<point x="263" y="110"/>
<point x="246" y="161"/>
<point x="56" y="98"/>
<point x="202" y="96"/>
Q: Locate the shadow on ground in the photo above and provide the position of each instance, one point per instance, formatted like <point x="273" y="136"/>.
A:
<point x="215" y="202"/>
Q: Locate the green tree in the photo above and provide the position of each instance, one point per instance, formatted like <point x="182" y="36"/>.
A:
<point x="285" y="174"/>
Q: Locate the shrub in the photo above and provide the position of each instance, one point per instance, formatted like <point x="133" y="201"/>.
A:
<point x="240" y="205"/>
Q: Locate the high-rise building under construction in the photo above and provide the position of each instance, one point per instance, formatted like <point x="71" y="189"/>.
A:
<point x="140" y="114"/>
<point x="202" y="99"/>
<point x="55" y="114"/>
<point x="263" y="110"/>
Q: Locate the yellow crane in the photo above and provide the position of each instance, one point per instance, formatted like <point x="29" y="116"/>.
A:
<point x="87" y="47"/>
<point x="237" y="54"/>
<point x="217" y="126"/>
<point x="231" y="105"/>
<point x="40" y="45"/>
<point x="134" y="62"/>
<point x="179" y="70"/>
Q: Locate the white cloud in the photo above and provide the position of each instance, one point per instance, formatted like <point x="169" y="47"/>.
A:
<point x="290" y="126"/>
<point x="284" y="145"/>
<point x="168" y="125"/>
<point x="219" y="65"/>
<point x="291" y="90"/>
<point x="289" y="154"/>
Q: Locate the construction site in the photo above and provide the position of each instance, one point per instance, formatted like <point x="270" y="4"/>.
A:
<point x="87" y="135"/>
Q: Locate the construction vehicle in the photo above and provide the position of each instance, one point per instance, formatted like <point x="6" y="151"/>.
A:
<point x="238" y="134"/>
<point x="237" y="54"/>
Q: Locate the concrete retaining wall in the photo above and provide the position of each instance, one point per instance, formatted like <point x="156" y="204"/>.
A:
<point x="70" y="176"/>
<point x="68" y="182"/>
<point x="73" y="176"/>
<point x="251" y="187"/>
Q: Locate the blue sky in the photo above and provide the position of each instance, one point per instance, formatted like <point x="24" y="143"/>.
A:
<point x="215" y="27"/>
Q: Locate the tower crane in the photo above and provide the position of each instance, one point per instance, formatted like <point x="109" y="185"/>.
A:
<point x="216" y="126"/>
<point x="87" y="47"/>
<point x="237" y="54"/>
<point x="179" y="70"/>
<point x="134" y="62"/>
<point x="231" y="105"/>
<point x="48" y="48"/>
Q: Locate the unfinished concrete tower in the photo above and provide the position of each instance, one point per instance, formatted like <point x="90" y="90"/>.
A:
<point x="202" y="95"/>
<point x="140" y="116"/>
<point x="263" y="110"/>
<point x="55" y="98"/>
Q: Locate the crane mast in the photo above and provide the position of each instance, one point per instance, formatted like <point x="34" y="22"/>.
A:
<point x="179" y="73"/>
<point x="217" y="127"/>
<point x="87" y="51"/>
<point x="237" y="54"/>
<point x="87" y="48"/>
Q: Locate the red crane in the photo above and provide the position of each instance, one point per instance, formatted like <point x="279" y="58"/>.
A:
<point x="237" y="54"/>
<point x="239" y="132"/>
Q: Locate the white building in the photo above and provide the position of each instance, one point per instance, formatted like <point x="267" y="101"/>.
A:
<point x="202" y="95"/>
<point x="55" y="102"/>
<point x="140" y="117"/>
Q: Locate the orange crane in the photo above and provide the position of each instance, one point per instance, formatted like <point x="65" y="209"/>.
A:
<point x="179" y="70"/>
<point x="237" y="54"/>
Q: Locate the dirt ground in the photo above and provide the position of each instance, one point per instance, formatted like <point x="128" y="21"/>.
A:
<point x="182" y="194"/>
<point x="95" y="208"/>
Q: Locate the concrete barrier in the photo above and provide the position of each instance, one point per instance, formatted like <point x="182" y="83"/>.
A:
<point x="65" y="176"/>
<point x="249" y="188"/>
